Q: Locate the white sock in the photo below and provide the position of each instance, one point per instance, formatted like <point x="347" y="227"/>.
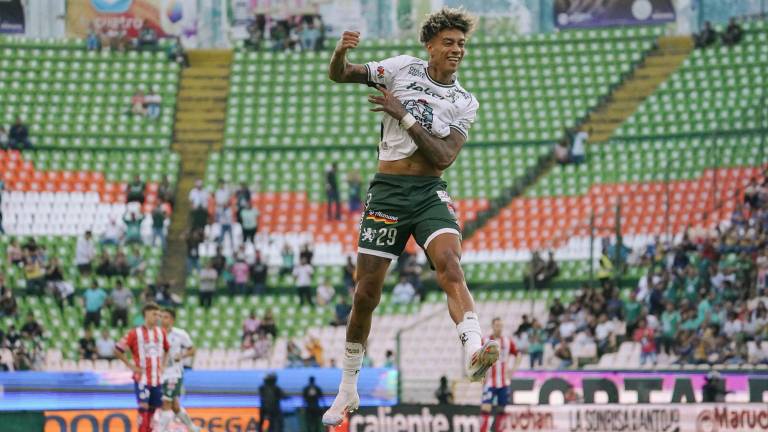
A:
<point x="470" y="335"/>
<point x="350" y="366"/>
<point x="184" y="417"/>
<point x="164" y="420"/>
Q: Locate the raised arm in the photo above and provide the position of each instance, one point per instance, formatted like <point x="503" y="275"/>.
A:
<point x="441" y="152"/>
<point x="340" y="70"/>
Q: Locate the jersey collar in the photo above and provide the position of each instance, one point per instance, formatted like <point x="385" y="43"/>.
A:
<point x="426" y="72"/>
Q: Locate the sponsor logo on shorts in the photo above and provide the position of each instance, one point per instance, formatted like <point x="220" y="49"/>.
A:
<point x="378" y="216"/>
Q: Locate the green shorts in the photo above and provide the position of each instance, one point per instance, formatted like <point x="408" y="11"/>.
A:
<point x="172" y="388"/>
<point x="398" y="206"/>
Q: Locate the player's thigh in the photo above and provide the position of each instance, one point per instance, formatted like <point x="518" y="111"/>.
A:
<point x="440" y="237"/>
<point x="155" y="396"/>
<point x="385" y="225"/>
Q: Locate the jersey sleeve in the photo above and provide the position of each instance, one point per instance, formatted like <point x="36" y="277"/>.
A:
<point x="166" y="344"/>
<point x="127" y="342"/>
<point x="383" y="72"/>
<point x="466" y="117"/>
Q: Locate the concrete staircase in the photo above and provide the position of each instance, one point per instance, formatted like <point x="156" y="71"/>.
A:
<point x="656" y="68"/>
<point x="199" y="130"/>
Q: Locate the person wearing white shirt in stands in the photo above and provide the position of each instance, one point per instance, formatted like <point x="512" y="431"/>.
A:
<point x="111" y="234"/>
<point x="403" y="292"/>
<point x="85" y="250"/>
<point x="198" y="197"/>
<point x="325" y="293"/>
<point x="578" y="149"/>
<point x="105" y="346"/>
<point x="303" y="275"/>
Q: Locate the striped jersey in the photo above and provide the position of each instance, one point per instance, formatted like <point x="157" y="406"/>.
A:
<point x="497" y="376"/>
<point x="147" y="346"/>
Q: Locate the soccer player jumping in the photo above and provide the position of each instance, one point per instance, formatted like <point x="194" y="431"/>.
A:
<point x="427" y="116"/>
<point x="173" y="374"/>
<point x="149" y="348"/>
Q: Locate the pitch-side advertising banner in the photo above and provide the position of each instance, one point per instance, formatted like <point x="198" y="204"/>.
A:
<point x="208" y="419"/>
<point x="566" y="418"/>
<point x="595" y="13"/>
<point x="166" y="17"/>
<point x="11" y="16"/>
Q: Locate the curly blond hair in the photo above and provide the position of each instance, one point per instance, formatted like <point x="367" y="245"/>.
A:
<point x="444" y="19"/>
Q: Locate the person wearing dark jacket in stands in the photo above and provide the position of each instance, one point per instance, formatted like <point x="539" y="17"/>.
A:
<point x="707" y="37"/>
<point x="271" y="395"/>
<point x="18" y="136"/>
<point x="733" y="33"/>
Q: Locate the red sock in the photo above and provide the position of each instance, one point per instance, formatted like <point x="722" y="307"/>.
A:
<point x="484" y="425"/>
<point x="145" y="420"/>
<point x="499" y="421"/>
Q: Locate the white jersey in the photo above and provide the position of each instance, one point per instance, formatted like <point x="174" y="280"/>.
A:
<point x="179" y="342"/>
<point x="437" y="107"/>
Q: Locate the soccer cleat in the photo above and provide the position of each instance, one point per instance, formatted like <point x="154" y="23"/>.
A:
<point x="482" y="360"/>
<point x="344" y="403"/>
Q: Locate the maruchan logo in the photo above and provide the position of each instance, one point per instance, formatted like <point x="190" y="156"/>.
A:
<point x="722" y="418"/>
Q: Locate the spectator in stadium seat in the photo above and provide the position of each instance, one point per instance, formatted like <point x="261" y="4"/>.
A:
<point x="316" y="353"/>
<point x="443" y="394"/>
<point x="105" y="346"/>
<point x="707" y="36"/>
<point x="268" y="325"/>
<point x="349" y="275"/>
<point x="333" y="209"/>
<point x="147" y="39"/>
<point x="94" y="297"/>
<point x="87" y="349"/>
<point x="644" y="335"/>
<point x="342" y="311"/>
<point x="209" y="279"/>
<point x="120" y="264"/>
<point x="3" y="138"/>
<point x="152" y="102"/>
<point x="137" y="103"/>
<point x="111" y="234"/>
<point x="631" y="312"/>
<point x="403" y="292"/>
<point x="733" y="33"/>
<point x="533" y="271"/>
<point x="242" y="199"/>
<point x="251" y="324"/>
<point x="120" y="301"/>
<point x="240" y="273"/>
<point x="31" y="327"/>
<point x="104" y="266"/>
<point x="605" y="336"/>
<point x="302" y="275"/>
<point x="306" y="253"/>
<point x="354" y="188"/>
<point x="15" y="254"/>
<point x="8" y="305"/>
<point x="34" y="274"/>
<point x="563" y="353"/>
<point x="193" y="238"/>
<point x="286" y="257"/>
<point x="259" y="271"/>
<point x="177" y="54"/>
<point x="92" y="40"/>
<point x="224" y="219"/>
<point x="18" y="137"/>
<point x="165" y="191"/>
<point x="249" y="222"/>
<point x="136" y="263"/>
<point x="325" y="293"/>
<point x="134" y="191"/>
<point x="550" y="270"/>
<point x="578" y="149"/>
<point x="198" y="199"/>
<point x="132" y="228"/>
<point x="158" y="225"/>
<point x="293" y="354"/>
<point x="309" y="35"/>
<point x="561" y="152"/>
<point x="536" y="339"/>
<point x="223" y="194"/>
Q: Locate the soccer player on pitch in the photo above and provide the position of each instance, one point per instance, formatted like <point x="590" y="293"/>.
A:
<point x="173" y="374"/>
<point x="149" y="348"/>
<point x="496" y="390"/>
<point x="427" y="116"/>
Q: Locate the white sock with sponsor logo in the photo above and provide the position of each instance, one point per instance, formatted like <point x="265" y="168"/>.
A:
<point x="164" y="420"/>
<point x="350" y="366"/>
<point x="470" y="335"/>
<point x="184" y="417"/>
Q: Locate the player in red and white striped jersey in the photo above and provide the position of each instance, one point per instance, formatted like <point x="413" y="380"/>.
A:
<point x="496" y="390"/>
<point x="149" y="347"/>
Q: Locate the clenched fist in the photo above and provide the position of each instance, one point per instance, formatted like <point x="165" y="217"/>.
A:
<point x="348" y="40"/>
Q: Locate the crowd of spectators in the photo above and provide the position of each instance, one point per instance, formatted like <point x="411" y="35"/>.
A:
<point x="708" y="36"/>
<point x="700" y="301"/>
<point x="295" y="33"/>
<point x="146" y="105"/>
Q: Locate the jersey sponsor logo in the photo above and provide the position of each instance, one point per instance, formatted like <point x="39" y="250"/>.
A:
<point x="426" y="90"/>
<point x="423" y="113"/>
<point x="378" y="216"/>
<point x="417" y="72"/>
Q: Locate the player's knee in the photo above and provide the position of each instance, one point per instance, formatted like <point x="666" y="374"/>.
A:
<point x="366" y="296"/>
<point x="448" y="266"/>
